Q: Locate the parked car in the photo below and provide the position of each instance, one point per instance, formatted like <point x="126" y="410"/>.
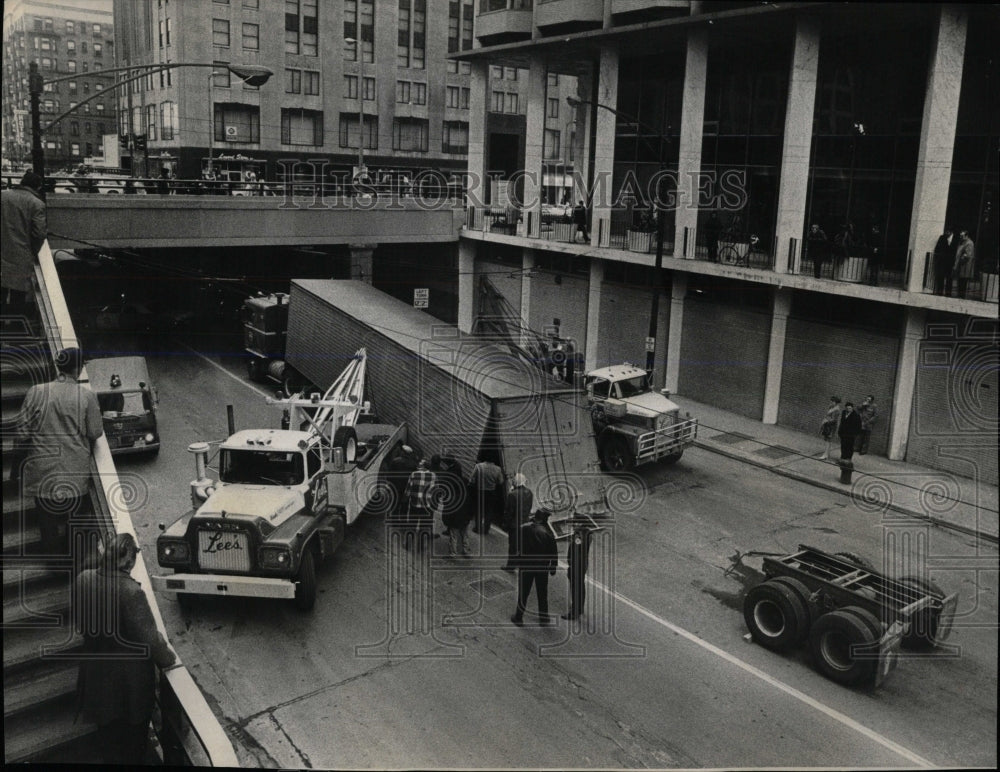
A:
<point x="557" y="213"/>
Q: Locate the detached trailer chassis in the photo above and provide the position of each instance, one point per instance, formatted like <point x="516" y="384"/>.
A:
<point x="854" y="618"/>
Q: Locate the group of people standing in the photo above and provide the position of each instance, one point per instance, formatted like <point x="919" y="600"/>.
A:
<point x="437" y="486"/>
<point x="846" y="243"/>
<point x="954" y="258"/>
<point x="852" y="426"/>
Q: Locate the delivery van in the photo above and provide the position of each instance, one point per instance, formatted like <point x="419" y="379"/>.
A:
<point x="128" y="400"/>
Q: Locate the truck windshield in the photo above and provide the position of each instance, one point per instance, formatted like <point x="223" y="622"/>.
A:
<point x="269" y="467"/>
<point x="120" y="403"/>
<point x="632" y="387"/>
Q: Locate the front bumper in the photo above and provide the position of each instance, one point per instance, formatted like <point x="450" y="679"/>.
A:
<point x="223" y="584"/>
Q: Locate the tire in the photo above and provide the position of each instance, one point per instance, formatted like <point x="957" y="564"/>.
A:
<point x="672" y="459"/>
<point x="804" y="594"/>
<point x="831" y="641"/>
<point x="856" y="560"/>
<point x="775" y="615"/>
<point x="345" y="437"/>
<point x="921" y="633"/>
<point x="291" y="382"/>
<point x="305" y="582"/>
<point x="615" y="453"/>
<point x="729" y="255"/>
<point x="871" y="621"/>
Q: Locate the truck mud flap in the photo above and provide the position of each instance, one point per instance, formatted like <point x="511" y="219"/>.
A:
<point x="240" y="586"/>
<point x="888" y="652"/>
<point x="946" y="619"/>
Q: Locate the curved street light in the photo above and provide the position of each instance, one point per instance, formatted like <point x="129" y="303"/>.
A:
<point x="361" y="105"/>
<point x="658" y="265"/>
<point x="251" y="74"/>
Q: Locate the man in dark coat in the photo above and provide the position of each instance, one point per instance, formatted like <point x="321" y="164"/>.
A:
<point x="516" y="512"/>
<point x="850" y="428"/>
<point x="713" y="229"/>
<point x="580" y="221"/>
<point x="23" y="231"/>
<point x="818" y="248"/>
<point x="944" y="260"/>
<point x="121" y="650"/>
<point x="577" y="558"/>
<point x="453" y="498"/>
<point x="537" y="561"/>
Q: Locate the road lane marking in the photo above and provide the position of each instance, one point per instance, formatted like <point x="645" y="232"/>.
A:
<point x="836" y="715"/>
<point x="219" y="367"/>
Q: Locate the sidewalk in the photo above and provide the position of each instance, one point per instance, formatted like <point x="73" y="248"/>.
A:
<point x="878" y="485"/>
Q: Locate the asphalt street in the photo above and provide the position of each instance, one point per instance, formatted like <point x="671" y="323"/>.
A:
<point x="410" y="663"/>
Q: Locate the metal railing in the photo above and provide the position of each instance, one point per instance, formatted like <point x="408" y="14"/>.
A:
<point x="187" y="729"/>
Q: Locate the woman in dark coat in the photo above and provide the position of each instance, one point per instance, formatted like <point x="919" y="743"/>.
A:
<point x="453" y="499"/>
<point x="122" y="649"/>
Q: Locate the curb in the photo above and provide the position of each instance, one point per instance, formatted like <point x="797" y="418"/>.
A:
<point x="839" y="488"/>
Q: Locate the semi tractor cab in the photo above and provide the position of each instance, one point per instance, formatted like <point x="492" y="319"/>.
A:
<point x="633" y="423"/>
<point x="282" y="500"/>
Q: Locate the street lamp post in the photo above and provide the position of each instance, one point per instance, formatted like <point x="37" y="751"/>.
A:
<point x="211" y="120"/>
<point x="251" y="74"/>
<point x="361" y="105"/>
<point x="658" y="265"/>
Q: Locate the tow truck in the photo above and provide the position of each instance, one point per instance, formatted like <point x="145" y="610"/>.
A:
<point x="283" y="498"/>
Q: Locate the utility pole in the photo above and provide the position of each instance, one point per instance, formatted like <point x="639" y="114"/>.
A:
<point x="35" y="86"/>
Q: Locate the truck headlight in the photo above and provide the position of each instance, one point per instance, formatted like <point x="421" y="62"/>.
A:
<point x="171" y="552"/>
<point x="150" y="437"/>
<point x="275" y="557"/>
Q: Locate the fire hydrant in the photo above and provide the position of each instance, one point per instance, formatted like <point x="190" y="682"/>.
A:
<point x="846" y="470"/>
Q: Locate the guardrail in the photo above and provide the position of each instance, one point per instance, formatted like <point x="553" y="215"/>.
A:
<point x="188" y="731"/>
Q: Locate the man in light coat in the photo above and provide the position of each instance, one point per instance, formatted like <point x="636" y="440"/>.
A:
<point x="23" y="231"/>
<point x="965" y="261"/>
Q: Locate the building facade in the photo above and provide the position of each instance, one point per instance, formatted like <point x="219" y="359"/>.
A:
<point x="338" y="66"/>
<point x="66" y="37"/>
<point x="747" y="123"/>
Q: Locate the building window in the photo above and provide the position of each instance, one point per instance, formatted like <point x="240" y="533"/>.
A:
<point x="293" y="81"/>
<point x="367" y="22"/>
<point x="301" y="27"/>
<point x="551" y="151"/>
<point x="83" y="46"/>
<point x="403" y="91"/>
<point x="409" y="134"/>
<point x="311" y="82"/>
<point x="220" y="33"/>
<point x="349" y="131"/>
<point x="168" y="120"/>
<point x="465" y="99"/>
<point x="169" y="27"/>
<point x="455" y="137"/>
<point x="368" y="87"/>
<point x="74" y="128"/>
<point x="512" y="103"/>
<point x="350" y="87"/>
<point x="70" y="47"/>
<point x="255" y="4"/>
<point x="221" y="75"/>
<point x="553" y="111"/>
<point x="86" y="127"/>
<point x="419" y="93"/>
<point x="498" y="101"/>
<point x="251" y="36"/>
<point x="351" y="30"/>
<point x="46" y="44"/>
<point x="99" y="107"/>
<point x="452" y="96"/>
<point x="72" y="87"/>
<point x="70" y="65"/>
<point x="418" y="58"/>
<point x="302" y="127"/>
<point x="74" y="148"/>
<point x="411" y="42"/>
<point x="310" y="27"/>
<point x="86" y="87"/>
<point x="98" y="49"/>
<point x="404" y="31"/>
<point x="553" y="79"/>
<point x="70" y="28"/>
<point x="160" y="32"/>
<point x="510" y="73"/>
<point x="291" y="26"/>
<point x="496" y="72"/>
<point x="150" y="127"/>
<point x="96" y="29"/>
<point x="237" y="123"/>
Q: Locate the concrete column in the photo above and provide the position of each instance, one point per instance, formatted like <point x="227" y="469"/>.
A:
<point x="362" y="262"/>
<point x="593" y="312"/>
<point x="582" y="144"/>
<point x="527" y="265"/>
<point x="937" y="138"/>
<point x="534" y="136"/>
<point x="605" y="93"/>
<point x="466" y="284"/>
<point x="793" y="186"/>
<point x="478" y="102"/>
<point x="673" y="374"/>
<point x="906" y="381"/>
<point x="689" y="150"/>
<point x="781" y="306"/>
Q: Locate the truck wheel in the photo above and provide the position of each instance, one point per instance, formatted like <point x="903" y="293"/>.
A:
<point x="291" y="381"/>
<point x="615" y="454"/>
<point x="305" y="582"/>
<point x="775" y="615"/>
<point x="921" y="633"/>
<point x="673" y="458"/>
<point x="873" y="623"/>
<point x="855" y="560"/>
<point x="345" y="437"/>
<point x="841" y="644"/>
<point x="800" y="589"/>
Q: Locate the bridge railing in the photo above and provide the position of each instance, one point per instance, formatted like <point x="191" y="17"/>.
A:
<point x="187" y="729"/>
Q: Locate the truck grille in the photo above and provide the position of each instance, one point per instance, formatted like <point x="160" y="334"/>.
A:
<point x="223" y="550"/>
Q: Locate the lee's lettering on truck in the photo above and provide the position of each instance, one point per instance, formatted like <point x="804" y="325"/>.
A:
<point x="218" y="543"/>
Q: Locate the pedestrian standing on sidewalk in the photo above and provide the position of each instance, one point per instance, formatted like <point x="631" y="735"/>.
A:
<point x="23" y="231"/>
<point x="868" y="414"/>
<point x="818" y="248"/>
<point x="419" y="503"/>
<point x="830" y="423"/>
<point x="965" y="262"/>
<point x="488" y="480"/>
<point x="516" y="512"/>
<point x="451" y="497"/>
<point x="577" y="558"/>
<point x="849" y="431"/>
<point x="537" y="561"/>
<point x="944" y="261"/>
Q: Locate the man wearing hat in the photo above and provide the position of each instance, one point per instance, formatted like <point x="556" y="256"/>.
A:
<point x="57" y="426"/>
<point x="537" y="561"/>
<point x="515" y="514"/>
<point x="22" y="233"/>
